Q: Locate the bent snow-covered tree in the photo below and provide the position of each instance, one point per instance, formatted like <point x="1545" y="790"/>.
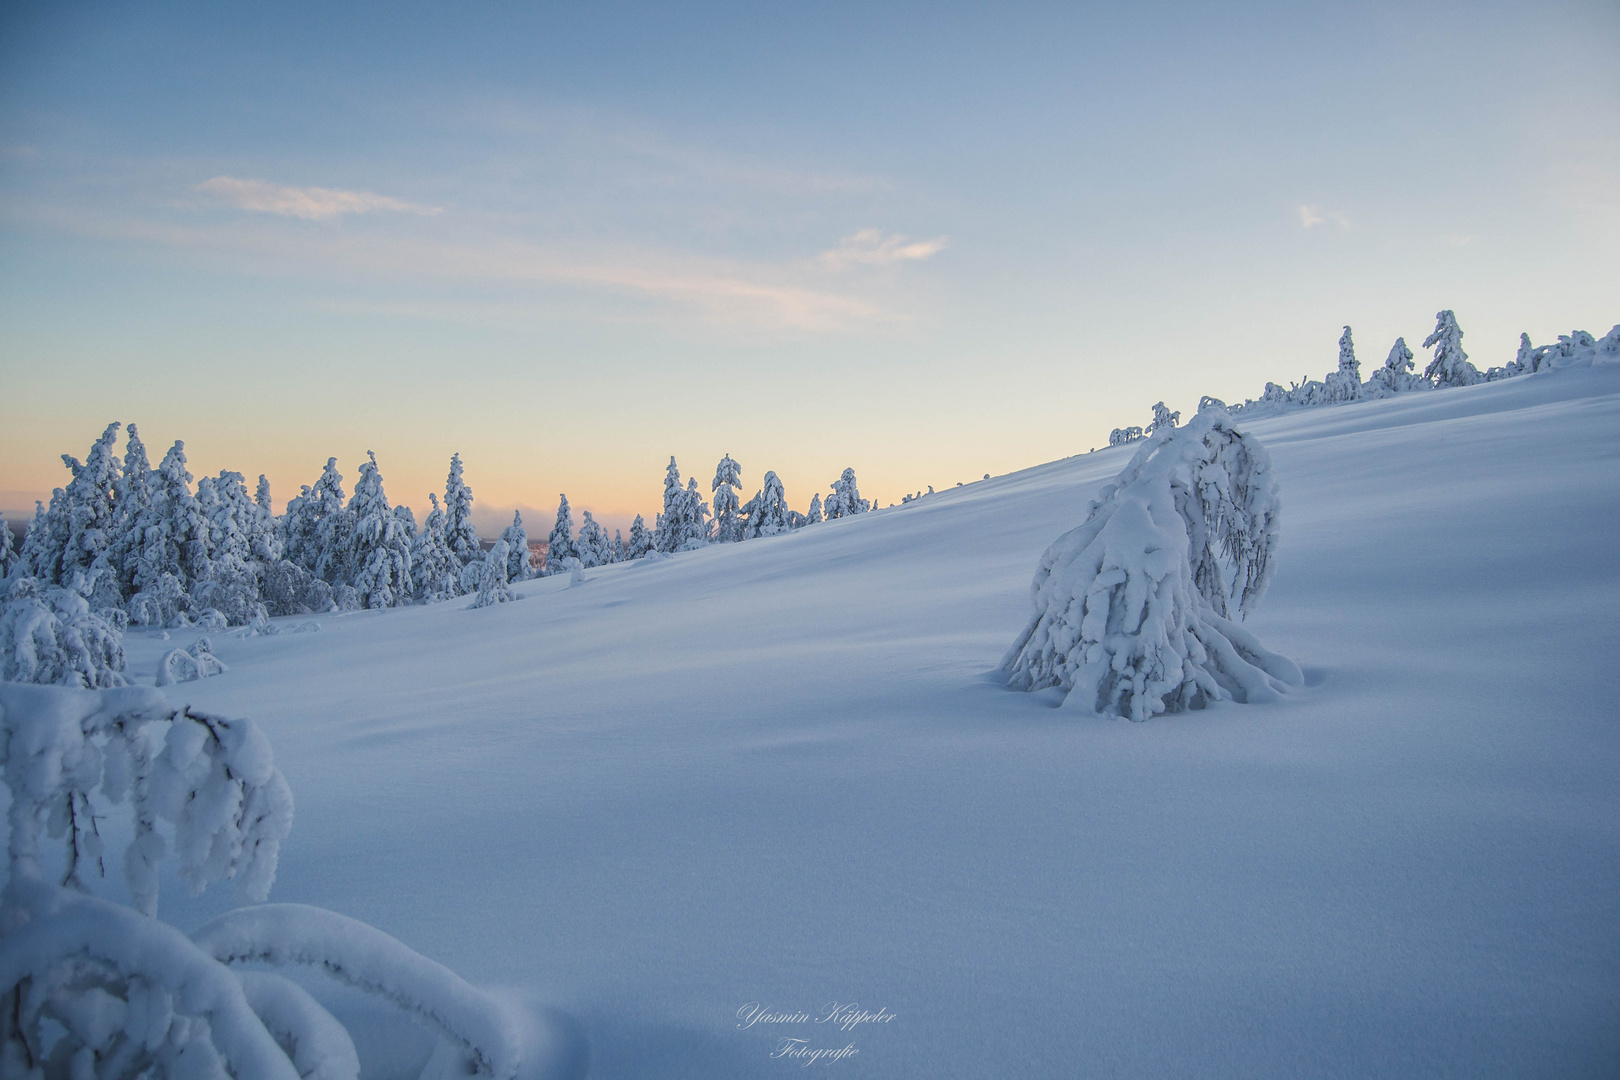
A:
<point x="90" y="988"/>
<point x="1135" y="610"/>
<point x="1450" y="366"/>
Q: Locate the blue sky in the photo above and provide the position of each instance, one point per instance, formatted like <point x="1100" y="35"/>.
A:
<point x="929" y="242"/>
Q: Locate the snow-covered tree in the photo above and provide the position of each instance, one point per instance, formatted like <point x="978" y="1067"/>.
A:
<point x="1121" y="436"/>
<point x="560" y="545"/>
<point x="8" y="551"/>
<point x="135" y="492"/>
<point x="334" y="530"/>
<point x="1345" y="383"/>
<point x="845" y="499"/>
<point x="1135" y="609"/>
<point x="48" y="634"/>
<point x="813" y="515"/>
<point x="641" y="539"/>
<point x="728" y="525"/>
<point x="380" y="547"/>
<point x="1163" y="418"/>
<point x="767" y="512"/>
<point x="435" y="569"/>
<point x="458" y="528"/>
<point x="493" y="585"/>
<point x="518" y="567"/>
<point x="264" y="538"/>
<point x="593" y="547"/>
<point x="696" y="510"/>
<point x="618" y="550"/>
<point x="90" y="500"/>
<point x="1395" y="376"/>
<point x="671" y="532"/>
<point x="1450" y="366"/>
<point x="232" y="587"/>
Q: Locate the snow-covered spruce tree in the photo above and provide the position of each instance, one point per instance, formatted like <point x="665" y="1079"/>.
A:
<point x="560" y="544"/>
<point x="1396" y="376"/>
<point x="435" y="570"/>
<point x="133" y="504"/>
<point x="493" y="585"/>
<point x="593" y="547"/>
<point x="671" y="531"/>
<point x="48" y="634"/>
<point x="728" y="525"/>
<point x="1450" y="366"/>
<point x="1163" y="418"/>
<point x="616" y="551"/>
<point x="380" y="546"/>
<point x="1121" y="436"/>
<point x="813" y="515"/>
<point x="1344" y="384"/>
<point x="47" y="538"/>
<point x="845" y="499"/>
<point x="264" y="538"/>
<point x="696" y="509"/>
<point x="334" y="529"/>
<point x="641" y="539"/>
<point x="767" y="511"/>
<point x="8" y="552"/>
<point x="518" y="567"/>
<point x="174" y="555"/>
<point x="1135" y="610"/>
<point x="92" y="988"/>
<point x="458" y="528"/>
<point x="91" y="505"/>
<point x="232" y="587"/>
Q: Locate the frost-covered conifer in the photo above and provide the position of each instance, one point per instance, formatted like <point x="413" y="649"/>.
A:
<point x="641" y="539"/>
<point x="1345" y="383"/>
<point x="728" y="525"/>
<point x="232" y="586"/>
<point x="435" y="570"/>
<point x="813" y="515"/>
<point x="593" y="547"/>
<point x="458" y="527"/>
<point x="696" y="512"/>
<point x="8" y="552"/>
<point x="845" y="499"/>
<point x="492" y="583"/>
<point x="334" y="529"/>
<point x="380" y="547"/>
<point x="174" y="554"/>
<point x="1450" y="366"/>
<point x="136" y="482"/>
<point x="518" y="567"/>
<point x="1163" y="418"/>
<point x="560" y="544"/>
<point x="90" y="502"/>
<point x="1135" y="610"/>
<point x="618" y="547"/>
<point x="1121" y="436"/>
<point x="1395" y="376"/>
<point x="264" y="538"/>
<point x="767" y="512"/>
<point x="671" y="529"/>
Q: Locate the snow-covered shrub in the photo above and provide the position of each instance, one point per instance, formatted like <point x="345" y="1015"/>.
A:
<point x="289" y="589"/>
<point x="92" y="989"/>
<point x="189" y="665"/>
<point x="49" y="635"/>
<point x="1163" y="418"/>
<point x="160" y="603"/>
<point x="1134" y="610"/>
<point x="1121" y="436"/>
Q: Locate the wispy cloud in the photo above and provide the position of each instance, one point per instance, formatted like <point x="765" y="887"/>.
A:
<point x="312" y="203"/>
<point x="871" y="247"/>
<point x="733" y="292"/>
<point x="1312" y="216"/>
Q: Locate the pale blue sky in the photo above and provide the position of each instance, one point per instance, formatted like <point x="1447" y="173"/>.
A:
<point x="926" y="241"/>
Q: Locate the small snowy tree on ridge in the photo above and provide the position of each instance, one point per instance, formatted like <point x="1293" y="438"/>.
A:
<point x="1135" y="609"/>
<point x="728" y="525"/>
<point x="1450" y="366"/>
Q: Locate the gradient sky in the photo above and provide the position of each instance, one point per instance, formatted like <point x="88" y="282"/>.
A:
<point x="929" y="242"/>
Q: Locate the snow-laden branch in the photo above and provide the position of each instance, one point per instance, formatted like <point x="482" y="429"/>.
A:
<point x="365" y="957"/>
<point x="319" y="1046"/>
<point x="132" y="993"/>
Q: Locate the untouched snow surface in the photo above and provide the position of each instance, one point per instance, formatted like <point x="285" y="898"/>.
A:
<point x="777" y="773"/>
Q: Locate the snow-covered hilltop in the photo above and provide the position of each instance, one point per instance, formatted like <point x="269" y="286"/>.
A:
<point x="786" y="773"/>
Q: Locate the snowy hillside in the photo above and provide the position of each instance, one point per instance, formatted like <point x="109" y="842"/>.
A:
<point x="778" y="774"/>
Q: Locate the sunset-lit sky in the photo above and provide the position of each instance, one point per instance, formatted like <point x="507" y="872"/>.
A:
<point x="928" y="242"/>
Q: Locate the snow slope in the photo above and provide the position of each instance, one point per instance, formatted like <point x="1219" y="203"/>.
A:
<point x="777" y="773"/>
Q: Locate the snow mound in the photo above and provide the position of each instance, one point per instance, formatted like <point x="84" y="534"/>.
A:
<point x="1134" y="609"/>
